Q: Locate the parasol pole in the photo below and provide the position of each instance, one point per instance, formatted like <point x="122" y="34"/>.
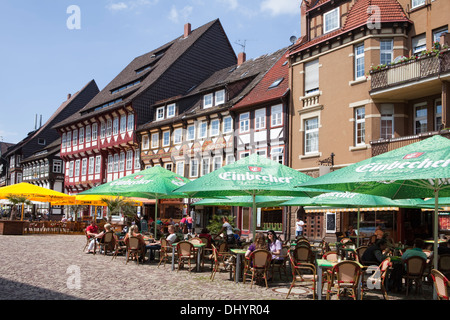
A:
<point x="357" y="222"/>
<point x="436" y="226"/>
<point x="21" y="218"/>
<point x="254" y="215"/>
<point x="156" y="217"/>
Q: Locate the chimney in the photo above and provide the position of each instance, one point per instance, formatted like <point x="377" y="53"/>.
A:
<point x="241" y="58"/>
<point x="187" y="30"/>
<point x="69" y="96"/>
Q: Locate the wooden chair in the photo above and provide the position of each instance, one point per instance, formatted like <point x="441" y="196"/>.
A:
<point x="259" y="265"/>
<point x="280" y="264"/>
<point x="88" y="241"/>
<point x="207" y="251"/>
<point x="303" y="242"/>
<point x="120" y="247"/>
<point x="384" y="268"/>
<point x="331" y="256"/>
<point x="444" y="264"/>
<point x="415" y="267"/>
<point x="185" y="251"/>
<point x="441" y="284"/>
<point x="345" y="275"/>
<point x="165" y="252"/>
<point x="298" y="273"/>
<point x="108" y="242"/>
<point x="359" y="253"/>
<point x="134" y="250"/>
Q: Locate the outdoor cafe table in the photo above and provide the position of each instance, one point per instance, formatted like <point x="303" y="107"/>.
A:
<point x="239" y="254"/>
<point x="326" y="264"/>
<point x="199" y="246"/>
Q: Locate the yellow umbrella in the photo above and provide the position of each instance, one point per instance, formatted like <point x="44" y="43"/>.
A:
<point x="33" y="192"/>
<point x="93" y="200"/>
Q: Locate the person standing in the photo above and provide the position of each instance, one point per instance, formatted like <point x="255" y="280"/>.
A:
<point x="227" y="230"/>
<point x="299" y="227"/>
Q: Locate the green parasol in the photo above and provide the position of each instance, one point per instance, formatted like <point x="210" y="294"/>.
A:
<point x="153" y="183"/>
<point x="245" y="201"/>
<point x="418" y="170"/>
<point x="253" y="175"/>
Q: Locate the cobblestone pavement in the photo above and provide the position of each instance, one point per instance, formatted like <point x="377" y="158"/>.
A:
<point x="45" y="267"/>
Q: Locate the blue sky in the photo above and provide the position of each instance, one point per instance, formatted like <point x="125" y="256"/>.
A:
<point x="43" y="58"/>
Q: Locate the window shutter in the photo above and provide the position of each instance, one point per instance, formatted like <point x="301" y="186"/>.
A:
<point x="311" y="76"/>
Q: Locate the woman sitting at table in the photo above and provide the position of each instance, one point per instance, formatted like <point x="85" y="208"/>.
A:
<point x="134" y="232"/>
<point x="260" y="243"/>
<point x="275" y="247"/>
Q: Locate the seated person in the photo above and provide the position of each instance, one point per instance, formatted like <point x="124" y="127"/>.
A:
<point x="275" y="246"/>
<point x="375" y="253"/>
<point x="205" y="234"/>
<point x="260" y="243"/>
<point x="237" y="237"/>
<point x="350" y="232"/>
<point x="134" y="232"/>
<point x="415" y="251"/>
<point x="91" y="232"/>
<point x="172" y="237"/>
<point x="444" y="248"/>
<point x="378" y="232"/>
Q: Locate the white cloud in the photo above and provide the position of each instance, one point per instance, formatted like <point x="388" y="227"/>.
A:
<point x="117" y="6"/>
<point x="175" y="15"/>
<point x="131" y="5"/>
<point x="279" y="7"/>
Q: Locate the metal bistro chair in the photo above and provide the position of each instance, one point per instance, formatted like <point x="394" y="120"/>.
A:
<point x="415" y="267"/>
<point x="345" y="275"/>
<point x="165" y="253"/>
<point x="280" y="264"/>
<point x="185" y="251"/>
<point x="298" y="275"/>
<point x="108" y="242"/>
<point x="444" y="264"/>
<point x="134" y="249"/>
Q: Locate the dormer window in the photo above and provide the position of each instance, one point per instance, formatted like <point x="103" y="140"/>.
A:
<point x="160" y="113"/>
<point x="171" y="110"/>
<point x="331" y="20"/>
<point x="208" y="100"/>
<point x="219" y="97"/>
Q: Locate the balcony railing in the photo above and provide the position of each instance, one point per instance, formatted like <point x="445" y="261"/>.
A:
<point x="385" y="145"/>
<point x="425" y="66"/>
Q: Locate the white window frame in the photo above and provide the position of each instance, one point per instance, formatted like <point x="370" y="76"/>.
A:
<point x="417" y="3"/>
<point x="160" y="113"/>
<point x="75" y="137"/>
<point x="129" y="161"/>
<point x="424" y="118"/>
<point x="311" y="135"/>
<point x="168" y="166"/>
<point x="155" y="140"/>
<point x="77" y="168"/>
<point x="123" y="123"/>
<point x="166" y="138"/>
<point x="116" y="162"/>
<point x="276" y="153"/>
<point x="359" y="61"/>
<point x="109" y="127"/>
<point x="217" y="162"/>
<point x="244" y="154"/>
<point x="193" y="168"/>
<point x="98" y="164"/>
<point x="327" y="16"/>
<point x="208" y="100"/>
<point x="205" y="169"/>
<point x="437" y="113"/>
<point x="102" y="130"/>
<point x="244" y="122"/>
<point x="130" y="122"/>
<point x="94" y="132"/>
<point x="180" y="168"/>
<point x="81" y="136"/>
<point x="57" y="167"/>
<point x="387" y="115"/>
<point x="171" y="110"/>
<point x="312" y="78"/>
<point x="178" y="136"/>
<point x="227" y="122"/>
<point x="71" y="167"/>
<point x="88" y="133"/>
<point x="386" y="50"/>
<point x="419" y="43"/>
<point x="437" y="34"/>
<point x="229" y="159"/>
<point x="122" y="162"/>
<point x="215" y="127"/>
<point x="203" y="130"/>
<point x="260" y="119"/>
<point x="91" y="165"/>
<point x="110" y="163"/>
<point x="145" y="142"/>
<point x="63" y="140"/>
<point x="219" y="97"/>
<point x="137" y="159"/>
<point x="115" y="126"/>
<point x="190" y="132"/>
<point x="360" y="126"/>
<point x="276" y="117"/>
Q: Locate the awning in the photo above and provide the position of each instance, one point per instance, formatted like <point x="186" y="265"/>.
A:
<point x="322" y="209"/>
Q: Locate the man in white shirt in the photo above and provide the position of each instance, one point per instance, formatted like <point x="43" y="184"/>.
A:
<point x="299" y="227"/>
<point x="172" y="238"/>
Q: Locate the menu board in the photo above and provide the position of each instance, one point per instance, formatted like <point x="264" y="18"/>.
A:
<point x="331" y="222"/>
<point x="444" y="221"/>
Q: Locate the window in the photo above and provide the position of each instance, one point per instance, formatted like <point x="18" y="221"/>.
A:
<point x="387" y="121"/>
<point x="91" y="165"/>
<point x="71" y="169"/>
<point x="229" y="159"/>
<point x="207" y="100"/>
<point x="190" y="132"/>
<point x="219" y="97"/>
<point x="166" y="138"/>
<point x="416" y="3"/>
<point x="168" y="166"/>
<point x="94" y="131"/>
<point x="130" y="122"/>
<point x="75" y="137"/>
<point x="244" y="154"/>
<point x="77" y="168"/>
<point x="108" y="128"/>
<point x="386" y="51"/>
<point x="331" y="20"/>
<point x="438" y="114"/>
<point x="227" y="124"/>
<point x="116" y="126"/>
<point x="215" y="127"/>
<point x="102" y="130"/>
<point x="202" y="130"/>
<point x="57" y="166"/>
<point x="260" y="119"/>
<point x="276" y="83"/>
<point x="360" y="126"/>
<point x="205" y="166"/>
<point x="88" y="133"/>
<point x="312" y="135"/>
<point x="180" y="168"/>
<point x="98" y="163"/>
<point x="155" y="140"/>
<point x="116" y="163"/>
<point x="276" y="115"/>
<point x="312" y="76"/>
<point x="171" y="110"/>
<point x="178" y="136"/>
<point x="137" y="159"/>
<point x="41" y="141"/>
<point x="129" y="165"/>
<point x="123" y="123"/>
<point x="217" y="162"/>
<point x="419" y="44"/>
<point x="81" y="140"/>
<point x="160" y="113"/>
<point x="276" y="154"/>
<point x="194" y="168"/>
<point x="63" y="140"/>
<point x="69" y="139"/>
<point x="262" y="152"/>
<point x="437" y="34"/>
<point x="420" y="118"/>
<point x="145" y="142"/>
<point x="244" y="122"/>
<point x="110" y="164"/>
<point x="359" y="61"/>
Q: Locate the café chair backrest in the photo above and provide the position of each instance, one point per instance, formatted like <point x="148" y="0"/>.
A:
<point x="441" y="284"/>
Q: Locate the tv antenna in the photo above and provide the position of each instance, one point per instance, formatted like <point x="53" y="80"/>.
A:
<point x="239" y="42"/>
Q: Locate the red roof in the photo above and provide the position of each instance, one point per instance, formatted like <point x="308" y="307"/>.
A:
<point x="262" y="92"/>
<point x="389" y="11"/>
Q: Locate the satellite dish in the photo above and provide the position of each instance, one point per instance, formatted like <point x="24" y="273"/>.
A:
<point x="293" y="39"/>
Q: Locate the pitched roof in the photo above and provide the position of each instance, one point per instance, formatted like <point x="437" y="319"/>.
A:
<point x="390" y="11"/>
<point x="274" y="85"/>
